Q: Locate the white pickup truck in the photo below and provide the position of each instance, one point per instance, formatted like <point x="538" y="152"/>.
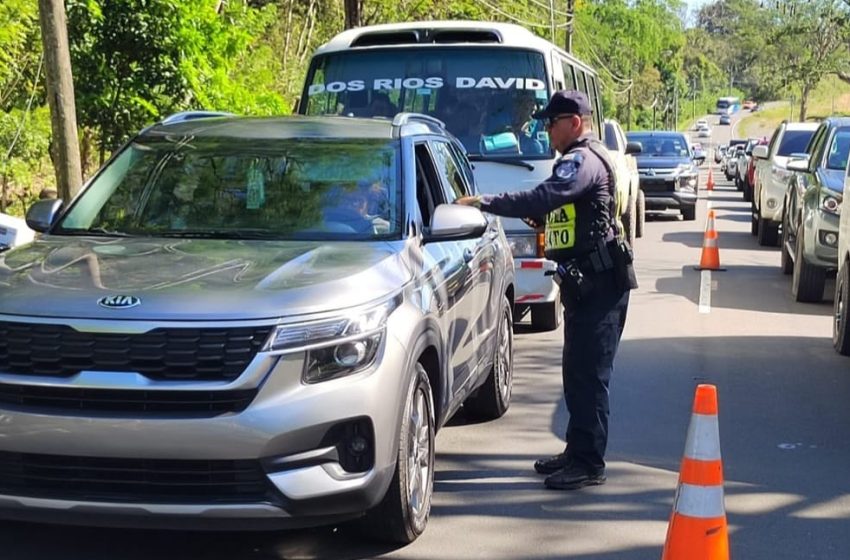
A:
<point x="630" y="200"/>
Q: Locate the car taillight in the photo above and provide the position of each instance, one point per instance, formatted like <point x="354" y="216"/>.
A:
<point x="541" y="245"/>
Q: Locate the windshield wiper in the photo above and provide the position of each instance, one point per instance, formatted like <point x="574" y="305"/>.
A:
<point x="218" y="234"/>
<point x="97" y="232"/>
<point x="506" y="161"/>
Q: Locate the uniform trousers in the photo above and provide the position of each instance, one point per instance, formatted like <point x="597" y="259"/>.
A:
<point x="592" y="330"/>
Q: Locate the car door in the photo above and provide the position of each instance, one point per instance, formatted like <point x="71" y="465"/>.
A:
<point x="801" y="181"/>
<point x="448" y="262"/>
<point x="476" y="311"/>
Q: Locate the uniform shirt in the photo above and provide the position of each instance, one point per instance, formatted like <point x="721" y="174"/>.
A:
<point x="578" y="176"/>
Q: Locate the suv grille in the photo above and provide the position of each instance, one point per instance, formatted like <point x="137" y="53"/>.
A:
<point x="205" y="403"/>
<point x="161" y="354"/>
<point x="133" y="480"/>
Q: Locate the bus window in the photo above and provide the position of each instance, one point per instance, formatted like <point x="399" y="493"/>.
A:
<point x="596" y="105"/>
<point x="569" y="75"/>
<point x="485" y="96"/>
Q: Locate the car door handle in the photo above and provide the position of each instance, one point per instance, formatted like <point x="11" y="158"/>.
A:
<point x="468" y="255"/>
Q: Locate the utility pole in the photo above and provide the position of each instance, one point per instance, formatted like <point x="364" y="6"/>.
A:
<point x="676" y="105"/>
<point x="629" y="105"/>
<point x="571" y="16"/>
<point x="694" y="94"/>
<point x="552" y="19"/>
<point x="60" y="96"/>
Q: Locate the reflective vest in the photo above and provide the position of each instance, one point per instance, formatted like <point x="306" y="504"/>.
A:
<point x="574" y="229"/>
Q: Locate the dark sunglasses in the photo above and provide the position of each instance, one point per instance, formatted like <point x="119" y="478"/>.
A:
<point x="550" y="122"/>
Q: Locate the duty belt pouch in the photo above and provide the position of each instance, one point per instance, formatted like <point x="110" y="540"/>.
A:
<point x="624" y="270"/>
<point x="572" y="281"/>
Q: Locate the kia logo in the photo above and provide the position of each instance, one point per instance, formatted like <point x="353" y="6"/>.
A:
<point x="119" y="302"/>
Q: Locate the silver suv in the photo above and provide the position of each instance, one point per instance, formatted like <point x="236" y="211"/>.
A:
<point x="252" y="323"/>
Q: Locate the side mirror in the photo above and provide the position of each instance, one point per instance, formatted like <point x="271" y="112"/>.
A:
<point x="43" y="213"/>
<point x="798" y="164"/>
<point x="760" y="152"/>
<point x="453" y="222"/>
<point x="633" y="148"/>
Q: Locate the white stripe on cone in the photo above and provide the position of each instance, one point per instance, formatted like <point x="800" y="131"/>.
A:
<point x="703" y="442"/>
<point x="703" y="502"/>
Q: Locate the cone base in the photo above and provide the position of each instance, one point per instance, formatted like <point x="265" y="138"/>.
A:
<point x="719" y="268"/>
<point x="689" y="538"/>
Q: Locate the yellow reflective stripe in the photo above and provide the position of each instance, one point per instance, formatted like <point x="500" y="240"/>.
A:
<point x="561" y="227"/>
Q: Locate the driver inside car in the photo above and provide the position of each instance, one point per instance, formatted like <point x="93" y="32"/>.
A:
<point x="350" y="208"/>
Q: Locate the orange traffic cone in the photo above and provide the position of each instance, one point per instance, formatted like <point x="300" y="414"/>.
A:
<point x="710" y="258"/>
<point x="709" y="184"/>
<point x="697" y="529"/>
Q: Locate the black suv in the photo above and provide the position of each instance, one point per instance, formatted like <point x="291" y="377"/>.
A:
<point x="668" y="171"/>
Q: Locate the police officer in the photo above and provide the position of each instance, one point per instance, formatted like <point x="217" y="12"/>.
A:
<point x="577" y="204"/>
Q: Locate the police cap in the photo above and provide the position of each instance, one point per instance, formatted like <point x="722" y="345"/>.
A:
<point x="565" y="102"/>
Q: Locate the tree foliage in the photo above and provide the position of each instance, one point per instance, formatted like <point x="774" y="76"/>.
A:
<point x="135" y="61"/>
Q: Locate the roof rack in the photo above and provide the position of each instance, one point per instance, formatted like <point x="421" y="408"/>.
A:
<point x="184" y="116"/>
<point x="403" y="118"/>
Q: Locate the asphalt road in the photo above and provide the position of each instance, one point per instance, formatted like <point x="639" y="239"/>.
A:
<point x="784" y="421"/>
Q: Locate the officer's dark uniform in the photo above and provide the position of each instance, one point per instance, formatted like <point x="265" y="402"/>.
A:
<point x="578" y="202"/>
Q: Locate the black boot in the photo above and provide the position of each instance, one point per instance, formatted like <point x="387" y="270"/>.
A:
<point x="573" y="476"/>
<point x="552" y="464"/>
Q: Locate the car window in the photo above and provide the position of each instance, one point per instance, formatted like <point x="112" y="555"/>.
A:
<point x="429" y="193"/>
<point x="664" y="145"/>
<point x="611" y="138"/>
<point x="794" y="141"/>
<point x="215" y="187"/>
<point x="449" y="171"/>
<point x="838" y="150"/>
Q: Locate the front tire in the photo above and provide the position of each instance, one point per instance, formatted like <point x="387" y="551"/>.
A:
<point x="808" y="280"/>
<point x="641" y="214"/>
<point x="630" y="222"/>
<point x="840" y="329"/>
<point x="787" y="263"/>
<point x="493" y="398"/>
<point x="689" y="213"/>
<point x="547" y="316"/>
<point x="768" y="232"/>
<point x="403" y="513"/>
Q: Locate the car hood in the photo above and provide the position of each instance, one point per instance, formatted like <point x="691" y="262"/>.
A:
<point x="198" y="279"/>
<point x="660" y="162"/>
<point x="833" y="179"/>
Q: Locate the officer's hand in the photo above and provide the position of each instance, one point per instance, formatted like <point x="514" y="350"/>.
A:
<point x="474" y="201"/>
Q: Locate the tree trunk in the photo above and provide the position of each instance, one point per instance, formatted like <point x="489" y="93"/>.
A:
<point x="60" y="96"/>
<point x="352" y="13"/>
<point x="804" y="101"/>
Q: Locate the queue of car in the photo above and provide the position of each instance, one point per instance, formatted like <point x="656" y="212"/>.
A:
<point x="796" y="182"/>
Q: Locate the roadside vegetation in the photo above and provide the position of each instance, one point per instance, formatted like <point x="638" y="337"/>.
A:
<point x="135" y="61"/>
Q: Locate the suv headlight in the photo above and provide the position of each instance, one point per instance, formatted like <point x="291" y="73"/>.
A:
<point x="338" y="346"/>
<point x="830" y="202"/>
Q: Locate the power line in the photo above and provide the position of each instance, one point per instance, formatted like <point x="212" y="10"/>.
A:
<point x="614" y="76"/>
<point x="550" y="9"/>
<point x="516" y="19"/>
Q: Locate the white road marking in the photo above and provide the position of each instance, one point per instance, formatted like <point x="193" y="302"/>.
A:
<point x="705" y="291"/>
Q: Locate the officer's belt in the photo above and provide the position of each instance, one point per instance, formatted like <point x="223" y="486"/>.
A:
<point x="597" y="261"/>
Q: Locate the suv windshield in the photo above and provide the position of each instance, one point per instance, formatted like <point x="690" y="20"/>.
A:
<point x="484" y="96"/>
<point x="246" y="188"/>
<point x="660" y="145"/>
<point x="794" y="142"/>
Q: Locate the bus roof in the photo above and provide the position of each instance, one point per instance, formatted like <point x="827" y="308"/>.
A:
<point x="425" y="34"/>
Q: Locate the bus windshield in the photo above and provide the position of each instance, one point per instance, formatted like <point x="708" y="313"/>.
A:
<point x="485" y="96"/>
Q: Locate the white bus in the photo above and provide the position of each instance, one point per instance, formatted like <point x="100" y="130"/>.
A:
<point x="483" y="80"/>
